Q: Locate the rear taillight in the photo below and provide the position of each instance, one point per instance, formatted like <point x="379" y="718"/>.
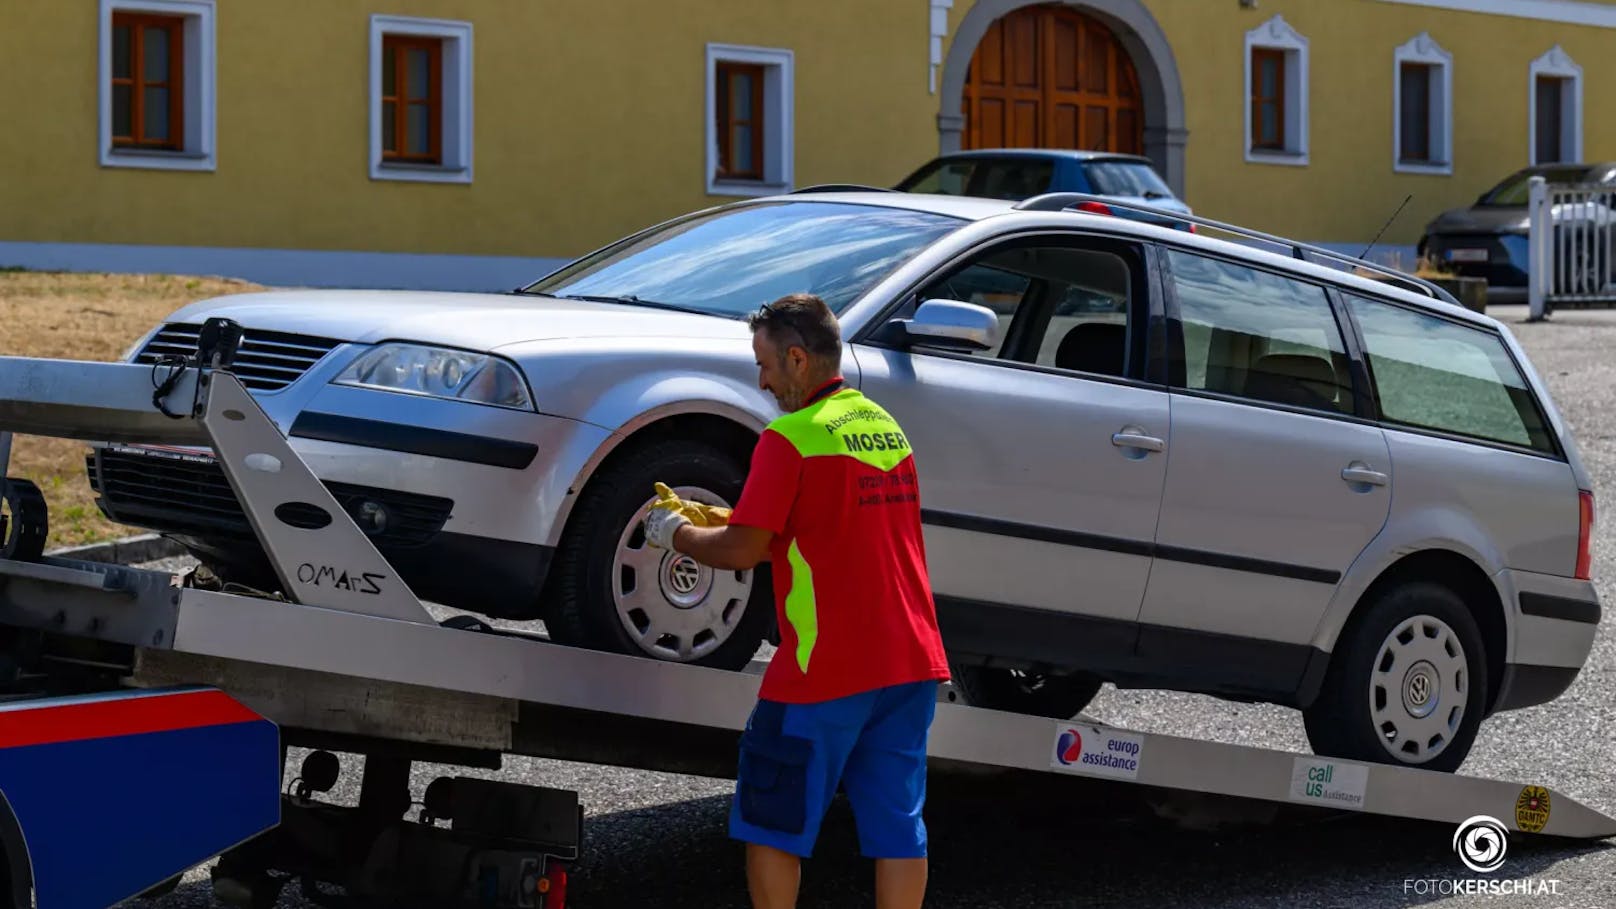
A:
<point x="1094" y="208"/>
<point x="1192" y="227"/>
<point x="1585" y="537"/>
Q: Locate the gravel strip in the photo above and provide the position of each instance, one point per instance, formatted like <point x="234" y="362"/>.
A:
<point x="659" y="839"/>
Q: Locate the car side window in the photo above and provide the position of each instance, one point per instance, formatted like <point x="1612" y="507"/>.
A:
<point x="1062" y="305"/>
<point x="1258" y="335"/>
<point x="1431" y="373"/>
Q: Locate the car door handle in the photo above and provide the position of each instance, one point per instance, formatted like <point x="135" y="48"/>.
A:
<point x="1364" y="475"/>
<point x="1137" y="440"/>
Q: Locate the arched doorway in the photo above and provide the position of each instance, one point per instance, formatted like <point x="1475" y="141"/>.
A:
<point x="1049" y="76"/>
<point x="1157" y="95"/>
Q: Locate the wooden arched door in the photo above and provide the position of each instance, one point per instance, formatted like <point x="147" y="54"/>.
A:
<point x="1050" y="77"/>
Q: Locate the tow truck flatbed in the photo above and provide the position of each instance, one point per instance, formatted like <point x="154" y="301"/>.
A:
<point x="345" y="657"/>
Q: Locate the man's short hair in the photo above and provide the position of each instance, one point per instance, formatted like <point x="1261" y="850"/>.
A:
<point x="803" y="320"/>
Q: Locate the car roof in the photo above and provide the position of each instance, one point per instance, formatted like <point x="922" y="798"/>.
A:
<point x="970" y="208"/>
<point x="976" y="209"/>
<point x="1072" y="153"/>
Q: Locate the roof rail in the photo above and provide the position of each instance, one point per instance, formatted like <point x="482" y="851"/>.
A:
<point x="1066" y="201"/>
<point x="842" y="188"/>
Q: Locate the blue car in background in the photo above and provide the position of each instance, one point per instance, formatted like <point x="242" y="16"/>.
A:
<point x="1020" y="173"/>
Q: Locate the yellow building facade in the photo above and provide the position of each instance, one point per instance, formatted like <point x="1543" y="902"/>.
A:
<point x="476" y="142"/>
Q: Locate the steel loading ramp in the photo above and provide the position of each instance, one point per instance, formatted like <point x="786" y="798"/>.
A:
<point x="346" y="631"/>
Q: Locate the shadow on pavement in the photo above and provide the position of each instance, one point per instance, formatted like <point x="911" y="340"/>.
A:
<point x="1054" y="853"/>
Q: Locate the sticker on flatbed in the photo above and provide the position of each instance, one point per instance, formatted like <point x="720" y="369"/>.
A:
<point x="1532" y="809"/>
<point x="1329" y="783"/>
<point x="1096" y="751"/>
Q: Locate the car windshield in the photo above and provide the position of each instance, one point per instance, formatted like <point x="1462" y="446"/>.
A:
<point x="1011" y="179"/>
<point x="1514" y="190"/>
<point x="1126" y="178"/>
<point x="729" y="262"/>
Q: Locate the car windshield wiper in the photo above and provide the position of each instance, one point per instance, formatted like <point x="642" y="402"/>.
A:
<point x="634" y="300"/>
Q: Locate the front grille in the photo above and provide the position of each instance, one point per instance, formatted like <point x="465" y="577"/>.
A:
<point x="265" y="361"/>
<point x="189" y="495"/>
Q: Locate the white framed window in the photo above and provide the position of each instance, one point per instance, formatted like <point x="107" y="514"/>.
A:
<point x="420" y="99"/>
<point x="1554" y="102"/>
<point x="1276" y="93"/>
<point x="749" y="130"/>
<point x="1422" y="107"/>
<point x="156" y="81"/>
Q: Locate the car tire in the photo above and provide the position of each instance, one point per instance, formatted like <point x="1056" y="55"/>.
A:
<point x="1407" y="684"/>
<point x="25" y="525"/>
<point x="612" y="591"/>
<point x="1059" y="697"/>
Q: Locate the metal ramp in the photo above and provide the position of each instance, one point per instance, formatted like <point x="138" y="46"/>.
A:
<point x="347" y="655"/>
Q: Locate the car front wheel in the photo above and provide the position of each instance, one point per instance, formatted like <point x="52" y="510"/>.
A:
<point x="1407" y="684"/>
<point x="616" y="592"/>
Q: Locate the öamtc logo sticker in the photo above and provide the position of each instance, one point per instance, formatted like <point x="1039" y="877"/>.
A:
<point x="1096" y="751"/>
<point x="1532" y="809"/>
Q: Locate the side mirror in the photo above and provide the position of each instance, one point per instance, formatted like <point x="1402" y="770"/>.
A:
<point x="951" y="324"/>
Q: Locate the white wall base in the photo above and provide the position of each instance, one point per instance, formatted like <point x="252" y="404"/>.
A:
<point x="287" y="267"/>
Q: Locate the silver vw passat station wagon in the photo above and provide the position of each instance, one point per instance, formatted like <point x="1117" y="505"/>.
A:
<point x="1149" y="456"/>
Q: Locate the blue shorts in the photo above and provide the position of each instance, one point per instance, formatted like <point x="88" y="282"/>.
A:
<point x="792" y="757"/>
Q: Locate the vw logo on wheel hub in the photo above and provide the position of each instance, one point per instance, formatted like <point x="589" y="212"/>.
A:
<point x="684" y="582"/>
<point x="684" y="574"/>
<point x="1420" y="689"/>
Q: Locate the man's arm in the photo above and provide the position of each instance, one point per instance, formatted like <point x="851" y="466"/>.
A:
<point x="733" y="547"/>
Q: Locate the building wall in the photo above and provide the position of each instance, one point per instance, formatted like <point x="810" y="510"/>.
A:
<point x="1349" y="188"/>
<point x="586" y="125"/>
<point x="589" y="125"/>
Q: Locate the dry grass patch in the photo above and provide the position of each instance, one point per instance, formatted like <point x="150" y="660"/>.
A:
<point x="83" y="317"/>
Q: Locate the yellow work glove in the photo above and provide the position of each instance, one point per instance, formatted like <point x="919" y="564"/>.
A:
<point x="698" y="513"/>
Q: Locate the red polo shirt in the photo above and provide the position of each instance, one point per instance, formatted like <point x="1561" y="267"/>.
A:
<point x="835" y="482"/>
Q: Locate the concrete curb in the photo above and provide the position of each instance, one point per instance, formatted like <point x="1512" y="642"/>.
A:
<point x="124" y="551"/>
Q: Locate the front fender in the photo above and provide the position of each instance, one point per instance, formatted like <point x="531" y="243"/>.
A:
<point x="623" y="385"/>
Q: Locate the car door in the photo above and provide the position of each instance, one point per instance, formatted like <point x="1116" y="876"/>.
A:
<point x="1275" y="483"/>
<point x="1042" y="460"/>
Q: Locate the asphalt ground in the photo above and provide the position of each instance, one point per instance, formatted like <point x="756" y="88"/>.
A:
<point x="658" y="840"/>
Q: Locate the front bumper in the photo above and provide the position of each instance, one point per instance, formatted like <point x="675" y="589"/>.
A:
<point x="187" y="497"/>
<point x="474" y="495"/>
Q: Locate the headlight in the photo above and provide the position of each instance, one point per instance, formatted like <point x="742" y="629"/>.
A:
<point x="439" y="373"/>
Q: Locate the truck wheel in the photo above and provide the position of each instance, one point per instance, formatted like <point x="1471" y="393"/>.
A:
<point x="1407" y="684"/>
<point x="615" y="592"/>
<point x="1059" y="697"/>
<point x="23" y="520"/>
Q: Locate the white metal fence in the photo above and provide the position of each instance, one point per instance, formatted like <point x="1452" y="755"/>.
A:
<point x="1571" y="242"/>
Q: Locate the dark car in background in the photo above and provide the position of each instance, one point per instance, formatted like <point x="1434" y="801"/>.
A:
<point x="1019" y="173"/>
<point x="1488" y="239"/>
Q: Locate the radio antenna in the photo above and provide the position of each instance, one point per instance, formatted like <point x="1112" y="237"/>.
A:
<point x="1383" y="227"/>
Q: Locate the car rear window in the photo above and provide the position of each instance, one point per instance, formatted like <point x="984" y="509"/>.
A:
<point x="1126" y="178"/>
<point x="983" y="177"/>
<point x="1431" y="373"/>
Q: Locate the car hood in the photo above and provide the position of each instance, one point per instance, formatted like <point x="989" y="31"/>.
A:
<point x="1481" y="220"/>
<point x="475" y="321"/>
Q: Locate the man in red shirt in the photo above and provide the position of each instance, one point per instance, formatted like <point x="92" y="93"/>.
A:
<point x="832" y="502"/>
